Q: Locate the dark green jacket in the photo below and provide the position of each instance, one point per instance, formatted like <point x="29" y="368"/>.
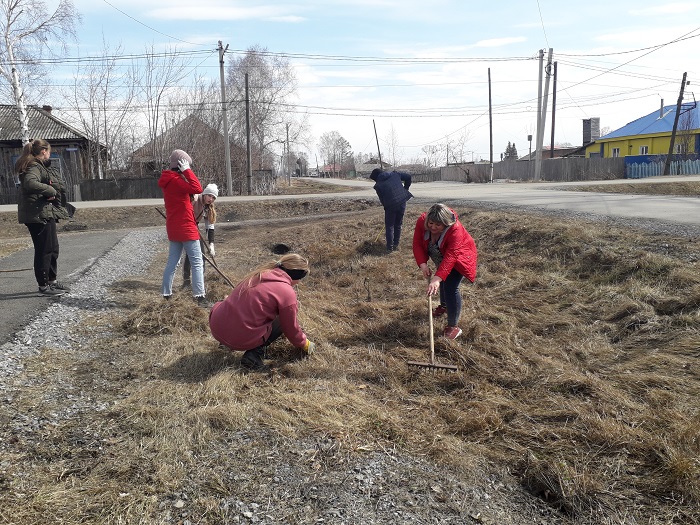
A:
<point x="37" y="184"/>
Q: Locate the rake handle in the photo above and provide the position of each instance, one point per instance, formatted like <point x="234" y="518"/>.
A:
<point x="432" y="336"/>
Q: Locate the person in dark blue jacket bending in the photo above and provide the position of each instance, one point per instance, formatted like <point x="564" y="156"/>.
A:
<point x="392" y="190"/>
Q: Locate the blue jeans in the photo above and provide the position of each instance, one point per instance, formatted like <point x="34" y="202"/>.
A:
<point x="186" y="266"/>
<point x="450" y="296"/>
<point x="194" y="252"/>
<point x="393" y="219"/>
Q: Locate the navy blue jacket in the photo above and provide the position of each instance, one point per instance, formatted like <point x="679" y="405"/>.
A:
<point x="392" y="188"/>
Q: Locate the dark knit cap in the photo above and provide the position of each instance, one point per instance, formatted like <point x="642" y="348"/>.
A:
<point x="375" y="173"/>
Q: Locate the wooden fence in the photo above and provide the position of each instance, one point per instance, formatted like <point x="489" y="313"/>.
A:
<point x="110" y="189"/>
<point x="553" y="170"/>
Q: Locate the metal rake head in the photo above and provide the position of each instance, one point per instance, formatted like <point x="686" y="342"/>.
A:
<point x="433" y="367"/>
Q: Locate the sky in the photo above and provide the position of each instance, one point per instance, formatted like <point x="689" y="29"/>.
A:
<point x="419" y="71"/>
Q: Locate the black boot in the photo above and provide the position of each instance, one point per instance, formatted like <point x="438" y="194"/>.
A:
<point x="253" y="358"/>
<point x="203" y="301"/>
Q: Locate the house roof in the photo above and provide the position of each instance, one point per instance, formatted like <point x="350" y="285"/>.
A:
<point x="182" y="135"/>
<point x="42" y="124"/>
<point x="559" y="151"/>
<point x="367" y="167"/>
<point x="659" y="121"/>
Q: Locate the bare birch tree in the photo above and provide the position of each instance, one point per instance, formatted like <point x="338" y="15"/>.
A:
<point x="30" y="31"/>
<point x="272" y="86"/>
<point x="687" y="126"/>
<point x="161" y="75"/>
<point x="102" y="97"/>
<point x="392" y="142"/>
<point x="336" y="151"/>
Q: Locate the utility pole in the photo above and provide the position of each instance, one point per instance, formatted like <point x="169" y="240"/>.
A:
<point x="542" y="105"/>
<point x="554" y="109"/>
<point x="538" y="159"/>
<point x="247" y="138"/>
<point x="286" y="162"/>
<point x="227" y="145"/>
<point x="490" y="133"/>
<point x="529" y="157"/>
<point x="543" y="117"/>
<point x="667" y="164"/>
<point x="379" y="152"/>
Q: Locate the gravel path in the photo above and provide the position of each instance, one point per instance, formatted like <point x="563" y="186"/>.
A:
<point x="89" y="294"/>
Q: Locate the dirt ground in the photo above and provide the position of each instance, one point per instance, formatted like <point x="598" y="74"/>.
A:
<point x="575" y="400"/>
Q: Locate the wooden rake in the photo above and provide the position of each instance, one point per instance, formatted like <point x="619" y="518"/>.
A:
<point x="432" y="365"/>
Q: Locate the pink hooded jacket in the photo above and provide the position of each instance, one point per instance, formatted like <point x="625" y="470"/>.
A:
<point x="244" y="319"/>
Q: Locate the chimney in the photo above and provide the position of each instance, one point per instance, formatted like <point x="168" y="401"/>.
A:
<point x="591" y="130"/>
<point x="661" y="111"/>
<point x="47" y="108"/>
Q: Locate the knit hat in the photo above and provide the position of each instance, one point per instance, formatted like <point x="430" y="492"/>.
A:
<point x="375" y="173"/>
<point x="178" y="155"/>
<point x="211" y="189"/>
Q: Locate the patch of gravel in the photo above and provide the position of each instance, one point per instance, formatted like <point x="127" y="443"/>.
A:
<point x="88" y="294"/>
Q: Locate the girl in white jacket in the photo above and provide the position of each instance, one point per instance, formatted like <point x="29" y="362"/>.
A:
<point x="203" y="206"/>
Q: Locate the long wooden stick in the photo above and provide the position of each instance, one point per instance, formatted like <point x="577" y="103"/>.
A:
<point x="432" y="336"/>
<point x="378" y="150"/>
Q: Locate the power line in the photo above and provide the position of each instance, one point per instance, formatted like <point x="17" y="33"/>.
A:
<point x="636" y="58"/>
<point x="613" y="53"/>
<point x="149" y="27"/>
<point x="539" y="9"/>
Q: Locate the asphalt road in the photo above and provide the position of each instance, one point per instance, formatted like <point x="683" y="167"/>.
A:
<point x="20" y="300"/>
<point x="19" y="295"/>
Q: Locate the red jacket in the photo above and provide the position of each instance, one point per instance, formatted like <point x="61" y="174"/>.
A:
<point x="177" y="188"/>
<point x="456" y="245"/>
<point x="244" y="319"/>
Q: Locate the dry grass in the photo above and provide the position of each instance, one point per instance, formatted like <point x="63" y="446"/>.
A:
<point x="579" y="373"/>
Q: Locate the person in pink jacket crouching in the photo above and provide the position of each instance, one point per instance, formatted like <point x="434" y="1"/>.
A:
<point x="261" y="308"/>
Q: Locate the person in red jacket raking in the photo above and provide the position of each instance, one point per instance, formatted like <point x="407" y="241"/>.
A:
<point x="178" y="183"/>
<point x="440" y="237"/>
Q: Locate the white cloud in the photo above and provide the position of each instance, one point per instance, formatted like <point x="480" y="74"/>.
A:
<point x="665" y="9"/>
<point x="197" y="12"/>
<point x="499" y="42"/>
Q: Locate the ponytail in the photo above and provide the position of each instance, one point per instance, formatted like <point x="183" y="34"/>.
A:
<point x="30" y="151"/>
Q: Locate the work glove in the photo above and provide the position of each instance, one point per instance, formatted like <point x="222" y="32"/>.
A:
<point x="183" y="164"/>
<point x="211" y="249"/>
<point x="308" y="348"/>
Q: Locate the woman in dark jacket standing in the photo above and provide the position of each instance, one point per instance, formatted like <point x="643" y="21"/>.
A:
<point x="178" y="184"/>
<point x="392" y="190"/>
<point x="39" y="208"/>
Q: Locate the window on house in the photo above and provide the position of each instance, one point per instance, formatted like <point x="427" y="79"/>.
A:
<point x="644" y="150"/>
<point x="615" y="152"/>
<point x="680" y="148"/>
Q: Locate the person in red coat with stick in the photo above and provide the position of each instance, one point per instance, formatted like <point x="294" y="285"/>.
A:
<point x="440" y="237"/>
<point x="178" y="183"/>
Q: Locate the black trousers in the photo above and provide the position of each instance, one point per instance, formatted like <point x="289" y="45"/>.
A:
<point x="45" y="241"/>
